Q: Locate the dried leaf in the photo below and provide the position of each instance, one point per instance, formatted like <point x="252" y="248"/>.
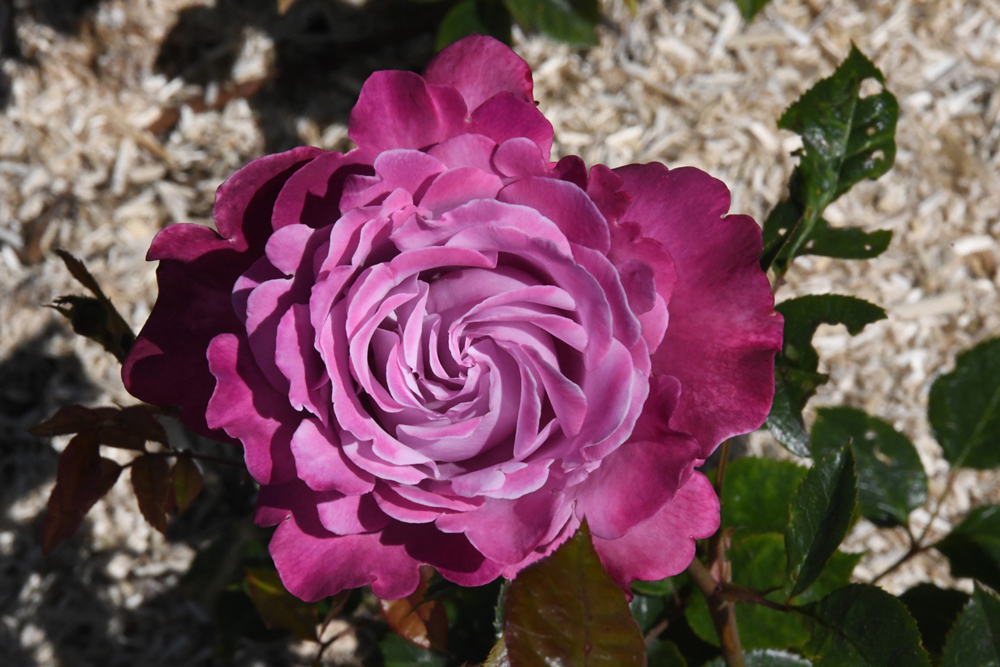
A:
<point x="420" y="621"/>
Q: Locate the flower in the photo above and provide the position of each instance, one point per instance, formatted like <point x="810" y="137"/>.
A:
<point x="442" y="348"/>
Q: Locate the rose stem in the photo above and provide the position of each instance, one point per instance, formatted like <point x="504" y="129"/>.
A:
<point x="723" y="614"/>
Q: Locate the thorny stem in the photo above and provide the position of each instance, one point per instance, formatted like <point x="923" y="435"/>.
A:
<point x="917" y="544"/>
<point x="723" y="613"/>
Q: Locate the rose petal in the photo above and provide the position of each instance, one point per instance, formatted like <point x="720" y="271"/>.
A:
<point x="723" y="331"/>
<point x="564" y="204"/>
<point x="401" y="110"/>
<point x="321" y="463"/>
<point x="663" y="545"/>
<point x="505" y="116"/>
<point x="247" y="408"/>
<point x="480" y="67"/>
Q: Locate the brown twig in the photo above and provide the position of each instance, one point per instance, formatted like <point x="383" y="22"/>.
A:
<point x="723" y="613"/>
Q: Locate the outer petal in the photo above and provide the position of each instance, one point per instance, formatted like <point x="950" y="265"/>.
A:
<point x="247" y="408"/>
<point x="723" y="332"/>
<point x="314" y="563"/>
<point x="505" y="116"/>
<point x="634" y="482"/>
<point x="401" y="110"/>
<point x="452" y="555"/>
<point x="663" y="545"/>
<point x="198" y="268"/>
<point x="480" y="67"/>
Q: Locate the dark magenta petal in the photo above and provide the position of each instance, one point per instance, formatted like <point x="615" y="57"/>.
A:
<point x="723" y="332"/>
<point x="247" y="408"/>
<point x="312" y="194"/>
<point x="479" y="67"/>
<point x="401" y="110"/>
<point x="663" y="545"/>
<point x="197" y="271"/>
<point x="505" y="116"/>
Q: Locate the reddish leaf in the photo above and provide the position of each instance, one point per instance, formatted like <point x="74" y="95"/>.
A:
<point x="151" y="483"/>
<point x="566" y="610"/>
<point x="422" y="622"/>
<point x="69" y="419"/>
<point x="82" y="478"/>
<point x="187" y="481"/>
<point x="94" y="318"/>
<point x="278" y="608"/>
<point x="125" y="428"/>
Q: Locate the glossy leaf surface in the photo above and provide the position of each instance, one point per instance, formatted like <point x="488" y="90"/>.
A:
<point x="846" y="138"/>
<point x="891" y="479"/>
<point x="935" y="610"/>
<point x="767" y="658"/>
<point x="964" y="408"/>
<point x="795" y="368"/>
<point x="975" y="639"/>
<point x="566" y="610"/>
<point x="820" y="517"/>
<point x="863" y="626"/>
<point x="572" y="21"/>
<point x="758" y="493"/>
<point x="973" y="547"/>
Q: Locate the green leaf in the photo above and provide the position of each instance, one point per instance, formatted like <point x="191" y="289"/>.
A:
<point x="935" y="610"/>
<point x="846" y="138"/>
<point x="863" y="626"/>
<point x="795" y="368"/>
<point x="964" y="408"/>
<point x="750" y="8"/>
<point x="571" y="21"/>
<point x="758" y="493"/>
<point x="891" y="479"/>
<point x="647" y="610"/>
<point x="474" y="17"/>
<point x="820" y="517"/>
<point x="758" y="562"/>
<point x="278" y="608"/>
<point x="973" y="547"/>
<point x="767" y="658"/>
<point x="664" y="653"/>
<point x="846" y="242"/>
<point x="565" y="609"/>
<point x="471" y="616"/>
<point x="397" y="652"/>
<point x="661" y="587"/>
<point x="975" y="639"/>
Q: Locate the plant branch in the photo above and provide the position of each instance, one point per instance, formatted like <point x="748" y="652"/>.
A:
<point x="917" y="545"/>
<point x="723" y="613"/>
<point x="200" y="457"/>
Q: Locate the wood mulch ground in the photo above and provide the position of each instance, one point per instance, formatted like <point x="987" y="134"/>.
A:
<point x="122" y="116"/>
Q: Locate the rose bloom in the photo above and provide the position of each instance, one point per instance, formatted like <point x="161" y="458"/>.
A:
<point x="441" y="348"/>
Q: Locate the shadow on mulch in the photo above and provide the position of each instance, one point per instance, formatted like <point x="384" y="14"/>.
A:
<point x="324" y="51"/>
<point x="64" y="598"/>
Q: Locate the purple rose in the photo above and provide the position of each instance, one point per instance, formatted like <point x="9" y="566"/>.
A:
<point x="441" y="348"/>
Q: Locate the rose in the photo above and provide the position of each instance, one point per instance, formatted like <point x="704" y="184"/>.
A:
<point x="440" y="348"/>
